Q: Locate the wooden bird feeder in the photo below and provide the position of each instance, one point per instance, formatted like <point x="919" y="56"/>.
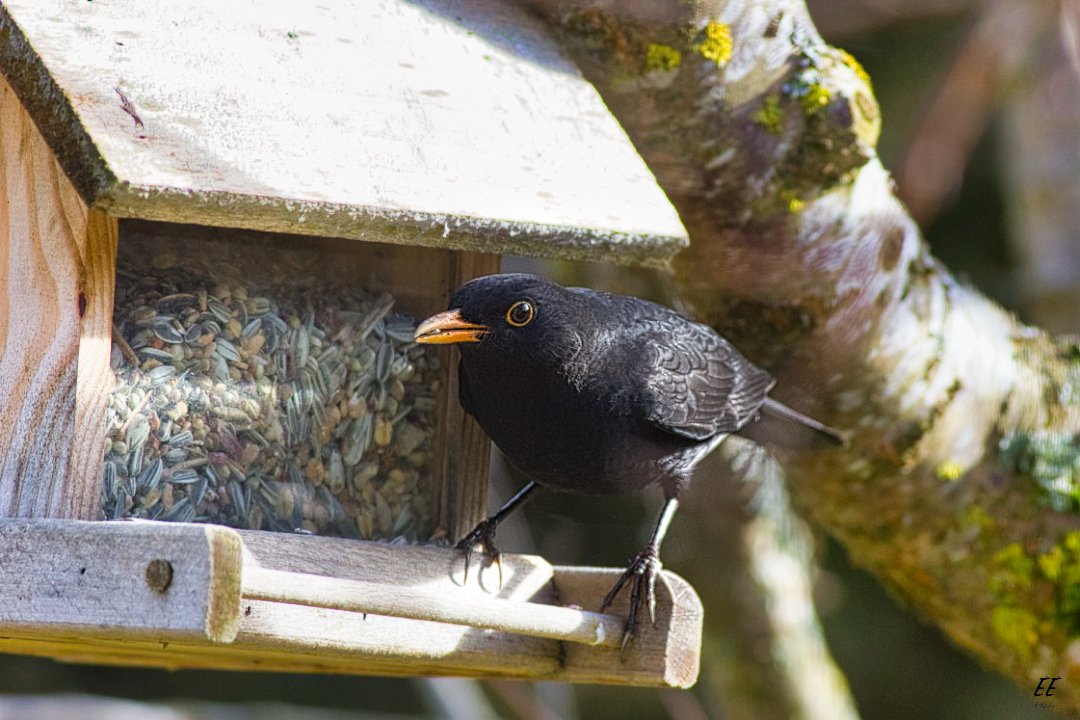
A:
<point x="219" y="221"/>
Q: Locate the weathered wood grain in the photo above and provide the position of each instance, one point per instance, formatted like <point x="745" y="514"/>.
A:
<point x="454" y="124"/>
<point x="120" y="579"/>
<point x="95" y="379"/>
<point x="283" y="636"/>
<point x="57" y="268"/>
<point x="672" y="646"/>
<point x="466" y="464"/>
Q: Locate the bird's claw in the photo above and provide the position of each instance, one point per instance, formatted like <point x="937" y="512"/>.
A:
<point x="641" y="574"/>
<point x="482" y="534"/>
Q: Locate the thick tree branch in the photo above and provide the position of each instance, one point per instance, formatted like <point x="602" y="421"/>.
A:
<point x="959" y="488"/>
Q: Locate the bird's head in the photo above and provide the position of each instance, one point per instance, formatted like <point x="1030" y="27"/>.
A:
<point x="509" y="315"/>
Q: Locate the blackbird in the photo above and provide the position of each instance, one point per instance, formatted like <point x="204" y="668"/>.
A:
<point x="593" y="393"/>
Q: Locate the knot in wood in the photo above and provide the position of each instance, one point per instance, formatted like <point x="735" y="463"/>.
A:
<point x="159" y="575"/>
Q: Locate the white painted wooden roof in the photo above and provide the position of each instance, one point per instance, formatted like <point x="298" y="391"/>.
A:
<point x="454" y="123"/>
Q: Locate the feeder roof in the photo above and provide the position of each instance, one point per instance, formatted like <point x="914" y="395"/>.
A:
<point x="450" y="123"/>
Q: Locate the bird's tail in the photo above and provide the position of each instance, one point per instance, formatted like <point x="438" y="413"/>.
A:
<point x="780" y="426"/>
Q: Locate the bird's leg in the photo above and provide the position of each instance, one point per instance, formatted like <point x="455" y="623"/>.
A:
<point x="643" y="571"/>
<point x="484" y="532"/>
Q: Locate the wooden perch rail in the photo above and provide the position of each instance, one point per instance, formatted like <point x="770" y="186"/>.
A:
<point x="548" y="621"/>
<point x="189" y="595"/>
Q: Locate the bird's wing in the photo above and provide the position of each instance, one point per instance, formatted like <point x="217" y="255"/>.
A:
<point x="697" y="384"/>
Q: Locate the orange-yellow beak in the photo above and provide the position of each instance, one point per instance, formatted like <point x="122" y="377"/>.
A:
<point x="449" y="327"/>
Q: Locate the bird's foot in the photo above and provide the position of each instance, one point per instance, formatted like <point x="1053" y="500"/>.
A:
<point x="482" y="534"/>
<point x="642" y="575"/>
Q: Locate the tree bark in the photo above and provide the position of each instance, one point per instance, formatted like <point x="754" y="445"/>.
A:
<point x="959" y="486"/>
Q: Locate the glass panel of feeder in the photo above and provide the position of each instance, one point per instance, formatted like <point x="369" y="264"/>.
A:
<point x="270" y="382"/>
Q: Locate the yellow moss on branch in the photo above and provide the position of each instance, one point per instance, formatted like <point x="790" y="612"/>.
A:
<point x="851" y="62"/>
<point x="1017" y="628"/>
<point x="816" y="98"/>
<point x="717" y="44"/>
<point x="662" y="58"/>
<point x="949" y="470"/>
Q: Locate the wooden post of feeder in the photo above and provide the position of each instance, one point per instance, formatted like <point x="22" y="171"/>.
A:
<point x="58" y="262"/>
<point x="467" y="501"/>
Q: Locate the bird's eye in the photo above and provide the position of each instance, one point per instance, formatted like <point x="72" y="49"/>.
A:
<point x="520" y="313"/>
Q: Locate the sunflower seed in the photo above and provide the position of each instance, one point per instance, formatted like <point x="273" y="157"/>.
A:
<point x="182" y="439"/>
<point x="166" y="331"/>
<point x="384" y="360"/>
<point x="227" y="350"/>
<point x="251" y="329"/>
<point x="179" y="512"/>
<point x="151" y="476"/>
<point x="220" y="311"/>
<point x="185" y="477"/>
<point x="109" y="480"/>
<point x="176" y="455"/>
<point x="160" y="374"/>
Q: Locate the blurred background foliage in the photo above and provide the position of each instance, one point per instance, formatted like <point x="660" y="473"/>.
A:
<point x="981" y="107"/>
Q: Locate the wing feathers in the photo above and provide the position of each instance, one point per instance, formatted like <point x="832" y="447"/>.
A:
<point x="697" y="384"/>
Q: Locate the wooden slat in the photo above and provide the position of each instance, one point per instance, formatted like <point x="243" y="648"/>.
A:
<point x="56" y="285"/>
<point x="128" y="579"/>
<point x="672" y="646"/>
<point x="95" y="381"/>
<point x="467" y="461"/>
<point x="282" y="636"/>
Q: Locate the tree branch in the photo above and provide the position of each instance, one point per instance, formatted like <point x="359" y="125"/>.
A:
<point x="959" y="488"/>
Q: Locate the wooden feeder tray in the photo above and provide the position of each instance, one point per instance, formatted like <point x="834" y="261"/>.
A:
<point x="179" y="595"/>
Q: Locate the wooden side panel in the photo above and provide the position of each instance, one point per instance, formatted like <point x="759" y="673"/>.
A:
<point x="467" y="463"/>
<point x="56" y="284"/>
<point x="95" y="383"/>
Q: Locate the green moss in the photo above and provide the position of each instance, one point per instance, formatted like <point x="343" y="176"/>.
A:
<point x="1017" y="628"/>
<point x="1061" y="566"/>
<point x="1069" y="385"/>
<point x="974" y="515"/>
<point x="770" y="116"/>
<point x="1012" y="570"/>
<point x="1050" y="458"/>
<point x="1016" y="576"/>
<point x="716" y="45"/>
<point x="808" y="86"/>
<point x="662" y="58"/>
<point x="1011" y="578"/>
<point x="1052" y="564"/>
<point x="815" y="99"/>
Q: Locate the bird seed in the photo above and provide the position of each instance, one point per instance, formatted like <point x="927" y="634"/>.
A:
<point x="268" y="409"/>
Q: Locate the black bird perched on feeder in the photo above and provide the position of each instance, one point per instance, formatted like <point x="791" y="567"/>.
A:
<point x="592" y="393"/>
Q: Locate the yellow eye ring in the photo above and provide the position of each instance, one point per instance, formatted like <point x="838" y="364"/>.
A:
<point x="520" y="313"/>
